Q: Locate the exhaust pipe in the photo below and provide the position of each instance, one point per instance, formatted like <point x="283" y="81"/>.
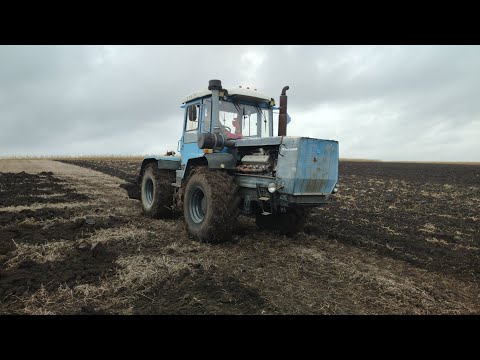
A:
<point x="282" y="116"/>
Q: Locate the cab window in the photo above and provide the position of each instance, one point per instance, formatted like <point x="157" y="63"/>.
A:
<point x="192" y="117"/>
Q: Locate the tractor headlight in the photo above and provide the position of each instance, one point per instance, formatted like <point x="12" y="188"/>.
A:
<point x="272" y="188"/>
<point x="335" y="189"/>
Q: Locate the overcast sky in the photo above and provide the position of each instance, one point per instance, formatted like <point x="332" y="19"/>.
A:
<point x="379" y="102"/>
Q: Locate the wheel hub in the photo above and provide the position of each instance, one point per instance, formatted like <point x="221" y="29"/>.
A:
<point x="198" y="205"/>
<point x="149" y="192"/>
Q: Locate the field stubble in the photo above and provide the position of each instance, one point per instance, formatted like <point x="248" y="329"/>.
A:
<point x="397" y="239"/>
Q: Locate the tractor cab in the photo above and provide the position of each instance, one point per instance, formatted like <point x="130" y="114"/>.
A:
<point x="234" y="113"/>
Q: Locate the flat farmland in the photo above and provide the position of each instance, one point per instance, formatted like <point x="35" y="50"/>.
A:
<point x="398" y="238"/>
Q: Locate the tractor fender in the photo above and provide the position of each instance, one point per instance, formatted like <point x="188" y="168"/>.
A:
<point x="221" y="161"/>
<point x="145" y="162"/>
<point x="166" y="163"/>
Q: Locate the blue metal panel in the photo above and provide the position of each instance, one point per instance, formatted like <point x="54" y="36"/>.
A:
<point x="190" y="151"/>
<point x="317" y="167"/>
<point x="287" y="163"/>
<point x="308" y="166"/>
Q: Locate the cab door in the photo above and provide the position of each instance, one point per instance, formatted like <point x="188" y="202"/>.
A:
<point x="192" y="124"/>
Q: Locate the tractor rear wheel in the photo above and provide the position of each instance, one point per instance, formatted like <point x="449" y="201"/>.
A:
<point x="210" y="205"/>
<point x="287" y="223"/>
<point x="157" y="191"/>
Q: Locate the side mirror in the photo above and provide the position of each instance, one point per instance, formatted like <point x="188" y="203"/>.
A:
<point x="192" y="113"/>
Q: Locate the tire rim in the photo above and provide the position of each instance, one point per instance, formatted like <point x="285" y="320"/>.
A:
<point x="198" y="205"/>
<point x="149" y="192"/>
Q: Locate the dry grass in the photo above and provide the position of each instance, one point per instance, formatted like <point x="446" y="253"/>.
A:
<point x="38" y="206"/>
<point x="40" y="253"/>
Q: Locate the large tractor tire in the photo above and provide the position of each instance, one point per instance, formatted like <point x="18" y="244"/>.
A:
<point x="157" y="191"/>
<point x="210" y="205"/>
<point x="288" y="223"/>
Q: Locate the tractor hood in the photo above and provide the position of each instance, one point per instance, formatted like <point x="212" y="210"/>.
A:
<point x="277" y="140"/>
<point x="307" y="166"/>
<point x="268" y="141"/>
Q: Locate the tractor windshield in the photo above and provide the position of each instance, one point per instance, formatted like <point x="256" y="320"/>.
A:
<point x="237" y="120"/>
<point x="243" y="120"/>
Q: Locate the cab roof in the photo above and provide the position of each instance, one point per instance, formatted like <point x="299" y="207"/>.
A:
<point x="235" y="92"/>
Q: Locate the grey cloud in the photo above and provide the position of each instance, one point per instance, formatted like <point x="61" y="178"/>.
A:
<point x="84" y="99"/>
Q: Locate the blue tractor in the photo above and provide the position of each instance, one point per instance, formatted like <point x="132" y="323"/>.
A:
<point x="231" y="163"/>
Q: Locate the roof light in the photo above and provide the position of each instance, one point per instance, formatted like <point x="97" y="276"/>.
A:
<point x="248" y="87"/>
<point x="240" y="86"/>
<point x="255" y="89"/>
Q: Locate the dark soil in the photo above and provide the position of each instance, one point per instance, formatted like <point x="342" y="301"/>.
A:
<point x="392" y="203"/>
<point x="24" y="189"/>
<point x="423" y="216"/>
<point x="39" y="214"/>
<point x="69" y="230"/>
<point x="414" y="173"/>
<point x="125" y="170"/>
<point x="200" y="293"/>
<point x="6" y="245"/>
<point x="79" y="266"/>
<point x="90" y="310"/>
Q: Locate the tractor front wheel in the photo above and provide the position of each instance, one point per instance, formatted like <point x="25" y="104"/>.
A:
<point x="210" y="205"/>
